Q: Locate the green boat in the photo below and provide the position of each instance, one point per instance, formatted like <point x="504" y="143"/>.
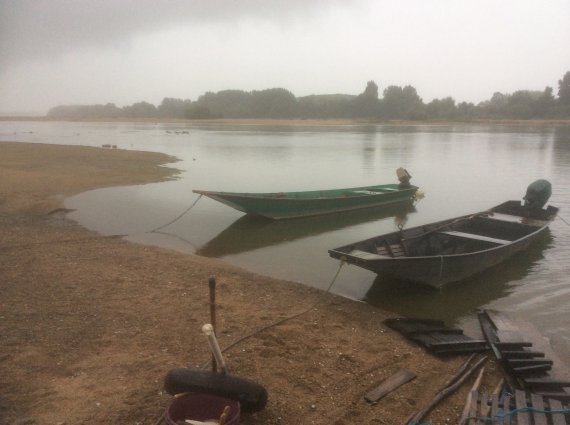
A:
<point x="282" y="205"/>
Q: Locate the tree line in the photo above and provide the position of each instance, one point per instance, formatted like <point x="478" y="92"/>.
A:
<point x="397" y="102"/>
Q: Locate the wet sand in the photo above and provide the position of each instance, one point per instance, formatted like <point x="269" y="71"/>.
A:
<point x="90" y="325"/>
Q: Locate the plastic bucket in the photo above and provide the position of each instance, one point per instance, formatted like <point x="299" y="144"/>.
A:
<point x="201" y="407"/>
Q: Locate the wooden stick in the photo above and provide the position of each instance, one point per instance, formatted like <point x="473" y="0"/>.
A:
<point x="212" y="285"/>
<point x="447" y="383"/>
<point x="499" y="387"/>
<point x="475" y="387"/>
<point x="459" y="371"/>
<point x="446" y="391"/>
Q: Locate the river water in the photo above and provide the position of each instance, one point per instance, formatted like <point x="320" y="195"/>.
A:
<point x="461" y="169"/>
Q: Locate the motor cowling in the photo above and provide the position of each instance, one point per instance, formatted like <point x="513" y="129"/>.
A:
<point x="537" y="194"/>
<point x="404" y="177"/>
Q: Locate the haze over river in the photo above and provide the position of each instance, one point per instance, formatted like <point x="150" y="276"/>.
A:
<point x="461" y="168"/>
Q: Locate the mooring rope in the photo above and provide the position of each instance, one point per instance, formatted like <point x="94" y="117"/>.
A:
<point x="177" y="218"/>
<point x="502" y="415"/>
<point x="565" y="222"/>
<point x="157" y="230"/>
<point x="233" y="344"/>
<point x="294" y="316"/>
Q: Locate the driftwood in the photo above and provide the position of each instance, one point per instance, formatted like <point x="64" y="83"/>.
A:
<point x="450" y="386"/>
<point x="475" y="387"/>
<point x="389" y="385"/>
<point x="450" y="381"/>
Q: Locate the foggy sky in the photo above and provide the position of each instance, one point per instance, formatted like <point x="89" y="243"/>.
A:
<point x="55" y="52"/>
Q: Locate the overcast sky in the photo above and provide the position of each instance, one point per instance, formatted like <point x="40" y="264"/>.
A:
<point x="55" y="52"/>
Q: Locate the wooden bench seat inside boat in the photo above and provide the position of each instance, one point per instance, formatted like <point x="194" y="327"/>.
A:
<point x="363" y="254"/>
<point x="508" y="218"/>
<point x="476" y="237"/>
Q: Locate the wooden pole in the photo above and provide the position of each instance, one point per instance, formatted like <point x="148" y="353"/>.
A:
<point x="469" y="399"/>
<point x="444" y="392"/>
<point x="212" y="286"/>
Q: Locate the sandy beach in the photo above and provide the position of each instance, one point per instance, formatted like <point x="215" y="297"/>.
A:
<point x="90" y="325"/>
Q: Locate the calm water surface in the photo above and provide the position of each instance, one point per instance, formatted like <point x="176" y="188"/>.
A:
<point x="461" y="168"/>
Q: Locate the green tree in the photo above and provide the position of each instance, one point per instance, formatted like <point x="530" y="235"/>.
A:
<point x="197" y="111"/>
<point x="273" y="103"/>
<point x="546" y="103"/>
<point x="520" y="105"/>
<point x="173" y="108"/>
<point x="227" y="103"/>
<point x="466" y="111"/>
<point x="495" y="107"/>
<point x="141" y="110"/>
<point x="402" y="103"/>
<point x="325" y="106"/>
<point x="442" y="108"/>
<point x="564" y="89"/>
<point x="367" y="104"/>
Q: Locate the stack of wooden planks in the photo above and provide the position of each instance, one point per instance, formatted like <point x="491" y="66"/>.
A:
<point x="521" y="408"/>
<point x="525" y="356"/>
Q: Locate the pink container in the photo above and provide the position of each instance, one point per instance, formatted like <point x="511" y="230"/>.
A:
<point x="201" y="407"/>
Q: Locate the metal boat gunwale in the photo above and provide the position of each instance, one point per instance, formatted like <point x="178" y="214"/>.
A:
<point x="289" y="205"/>
<point x="539" y="229"/>
<point x="375" y="254"/>
<point x="279" y="196"/>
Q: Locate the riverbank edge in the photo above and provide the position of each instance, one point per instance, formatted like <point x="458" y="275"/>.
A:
<point x="85" y="318"/>
<point x="300" y="122"/>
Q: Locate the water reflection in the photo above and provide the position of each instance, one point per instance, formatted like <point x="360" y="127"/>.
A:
<point x="462" y="168"/>
<point x="250" y="232"/>
<point x="457" y="300"/>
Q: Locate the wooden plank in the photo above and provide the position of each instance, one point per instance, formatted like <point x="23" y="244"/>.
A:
<point x="476" y="237"/>
<point x="494" y="405"/>
<point x="461" y="349"/>
<point x="389" y="248"/>
<point x="500" y="321"/>
<point x="506" y="408"/>
<point x="538" y="404"/>
<point x="545" y="383"/>
<point x="560" y="396"/>
<point x="521" y="354"/>
<point x="507" y="331"/>
<point x="503" y="217"/>
<point x="528" y="362"/>
<point x="531" y="370"/>
<point x="435" y="336"/>
<point x="364" y="255"/>
<point x="540" y="344"/>
<point x="513" y="345"/>
<point x="397" y="250"/>
<point x="473" y="408"/>
<point x="484" y="407"/>
<point x="557" y="418"/>
<point x="443" y="330"/>
<point x="464" y="343"/>
<point x="389" y="385"/>
<point x="404" y="323"/>
<point x="523" y="418"/>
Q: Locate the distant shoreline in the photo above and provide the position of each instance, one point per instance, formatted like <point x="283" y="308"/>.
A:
<point x="297" y="122"/>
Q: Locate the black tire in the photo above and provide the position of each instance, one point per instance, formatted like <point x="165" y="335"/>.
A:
<point x="251" y="396"/>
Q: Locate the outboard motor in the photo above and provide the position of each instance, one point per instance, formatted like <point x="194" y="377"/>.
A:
<point x="404" y="177"/>
<point x="537" y="194"/>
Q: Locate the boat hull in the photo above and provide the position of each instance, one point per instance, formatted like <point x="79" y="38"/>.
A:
<point x="304" y="204"/>
<point x="437" y="271"/>
<point x="440" y="268"/>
